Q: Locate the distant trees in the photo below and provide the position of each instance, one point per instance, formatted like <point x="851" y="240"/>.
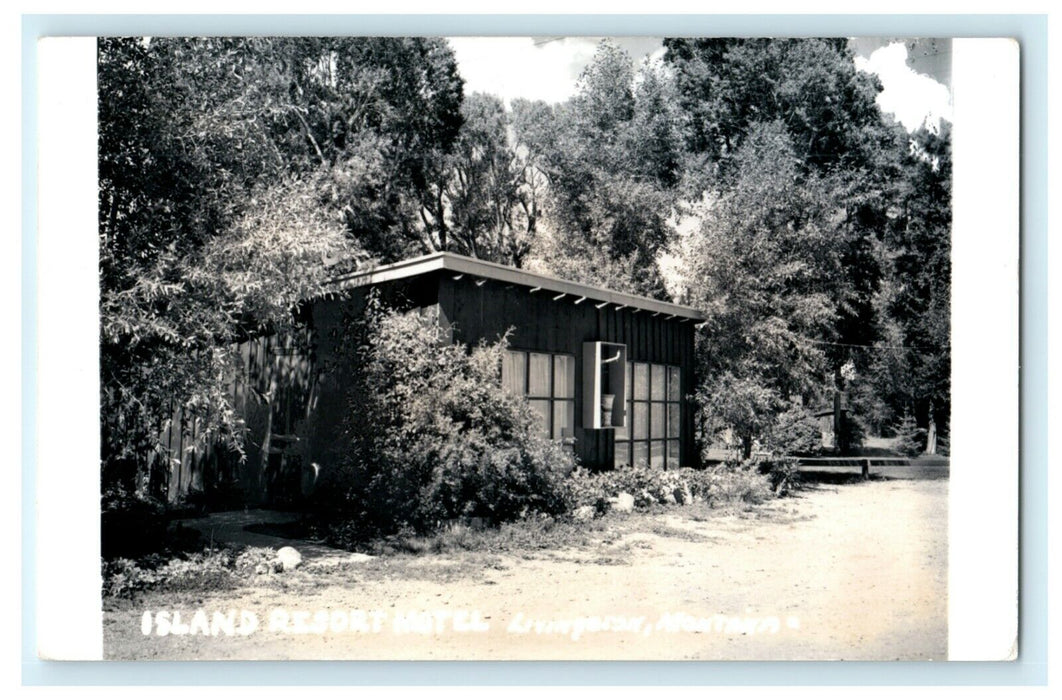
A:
<point x="909" y="366"/>
<point x="807" y="263"/>
<point x="612" y="158"/>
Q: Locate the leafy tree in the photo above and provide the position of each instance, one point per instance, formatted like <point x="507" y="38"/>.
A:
<point x="908" y="366"/>
<point x="232" y="173"/>
<point x="611" y="156"/>
<point x="884" y="211"/>
<point x="767" y="263"/>
<point x="812" y="89"/>
<point x="812" y="86"/>
<point x="484" y="203"/>
<point x="921" y="272"/>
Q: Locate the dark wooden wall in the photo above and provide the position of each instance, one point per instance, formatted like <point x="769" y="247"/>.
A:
<point x="290" y="393"/>
<point x="540" y="323"/>
<point x="272" y="392"/>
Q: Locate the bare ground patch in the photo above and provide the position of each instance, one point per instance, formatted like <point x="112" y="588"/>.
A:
<point x="848" y="571"/>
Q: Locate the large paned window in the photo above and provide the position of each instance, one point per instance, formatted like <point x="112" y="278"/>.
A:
<point x="548" y="382"/>
<point x="651" y="435"/>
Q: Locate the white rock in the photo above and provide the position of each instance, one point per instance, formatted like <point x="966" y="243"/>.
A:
<point x="583" y="514"/>
<point x="289" y="558"/>
<point x="623" y="503"/>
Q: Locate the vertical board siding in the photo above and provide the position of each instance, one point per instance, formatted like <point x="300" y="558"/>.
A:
<point x="290" y="395"/>
<point x="269" y="391"/>
<point x="542" y="324"/>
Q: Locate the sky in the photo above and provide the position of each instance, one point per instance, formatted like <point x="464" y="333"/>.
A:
<point x="915" y="73"/>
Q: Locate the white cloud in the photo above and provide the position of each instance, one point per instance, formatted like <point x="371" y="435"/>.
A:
<point x="535" y="68"/>
<point x="913" y="98"/>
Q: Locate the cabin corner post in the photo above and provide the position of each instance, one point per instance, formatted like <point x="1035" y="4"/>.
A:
<point x="591" y="385"/>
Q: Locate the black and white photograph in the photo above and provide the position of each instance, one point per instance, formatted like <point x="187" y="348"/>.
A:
<point x="524" y="348"/>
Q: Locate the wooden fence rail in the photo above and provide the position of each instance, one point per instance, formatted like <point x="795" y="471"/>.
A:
<point x="864" y="463"/>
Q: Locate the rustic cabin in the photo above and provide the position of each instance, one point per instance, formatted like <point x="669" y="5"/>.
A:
<point x="607" y="373"/>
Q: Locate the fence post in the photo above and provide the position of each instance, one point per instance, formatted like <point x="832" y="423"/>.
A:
<point x="866" y="469"/>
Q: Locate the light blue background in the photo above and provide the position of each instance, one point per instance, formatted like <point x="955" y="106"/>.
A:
<point x="1030" y="669"/>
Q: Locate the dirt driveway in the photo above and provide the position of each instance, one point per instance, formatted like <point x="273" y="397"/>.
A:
<point x="845" y="571"/>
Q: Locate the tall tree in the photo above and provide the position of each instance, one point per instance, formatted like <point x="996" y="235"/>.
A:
<point x="840" y="144"/>
<point x="611" y="157"/>
<point x="767" y="263"/>
<point x="916" y="298"/>
<point x="481" y="205"/>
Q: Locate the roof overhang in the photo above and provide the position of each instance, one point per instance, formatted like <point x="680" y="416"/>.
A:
<point x="481" y="269"/>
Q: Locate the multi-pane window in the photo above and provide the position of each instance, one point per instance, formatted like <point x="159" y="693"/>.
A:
<point x="651" y="436"/>
<point x="548" y="383"/>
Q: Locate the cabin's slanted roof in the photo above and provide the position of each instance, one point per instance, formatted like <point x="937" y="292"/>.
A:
<point x="460" y="265"/>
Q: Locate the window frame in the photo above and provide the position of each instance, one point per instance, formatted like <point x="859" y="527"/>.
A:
<point x="552" y="398"/>
<point x="627" y="445"/>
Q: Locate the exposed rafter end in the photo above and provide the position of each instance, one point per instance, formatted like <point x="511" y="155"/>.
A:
<point x="536" y="289"/>
<point x="480" y="283"/>
<point x="635" y="310"/>
<point x="457" y="277"/>
<point x="670" y="317"/>
<point x="559" y="296"/>
<point x="601" y="305"/>
<point x="620" y="307"/>
<point x="657" y="314"/>
<point x="700" y="325"/>
<point x="580" y="300"/>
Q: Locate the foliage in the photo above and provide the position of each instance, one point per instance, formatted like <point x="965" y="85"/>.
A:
<point x="795" y="431"/>
<point x="727" y="483"/>
<point x="206" y="570"/>
<point x="725" y="86"/>
<point x="846" y="234"/>
<point x="611" y="156"/>
<point x="430" y="436"/>
<point x="201" y="571"/>
<point x="486" y="202"/>
<point x="917" y="299"/>
<point x="783" y="472"/>
<point x="767" y="267"/>
<point x="910" y="439"/>
<point x="236" y="175"/>
<point x="130" y="524"/>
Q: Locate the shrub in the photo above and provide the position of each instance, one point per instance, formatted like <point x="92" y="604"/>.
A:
<point x="202" y="571"/>
<point x="853" y="433"/>
<point x="910" y="439"/>
<point x="430" y="436"/>
<point x="206" y="570"/>
<point x="794" y="431"/>
<point x="783" y="472"/>
<point x="726" y="483"/>
<point x="122" y="578"/>
<point x="130" y="524"/>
